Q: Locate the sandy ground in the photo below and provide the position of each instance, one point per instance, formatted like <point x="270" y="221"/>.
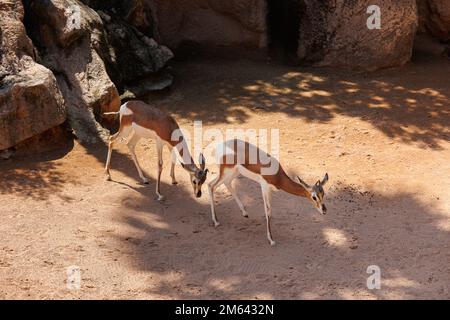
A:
<point x="383" y="138"/>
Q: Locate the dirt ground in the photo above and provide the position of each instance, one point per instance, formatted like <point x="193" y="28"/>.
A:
<point x="382" y="137"/>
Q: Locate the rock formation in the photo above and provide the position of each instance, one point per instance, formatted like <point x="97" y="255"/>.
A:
<point x="30" y="101"/>
<point x="126" y="43"/>
<point x="74" y="66"/>
<point x="68" y="36"/>
<point x="335" y="33"/>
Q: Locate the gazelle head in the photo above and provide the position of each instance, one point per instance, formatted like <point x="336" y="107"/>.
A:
<point x="316" y="194"/>
<point x="198" y="176"/>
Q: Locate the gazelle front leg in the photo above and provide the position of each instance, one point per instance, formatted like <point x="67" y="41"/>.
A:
<point x="108" y="160"/>
<point x="159" y="148"/>
<point x="172" y="166"/>
<point x="267" y="197"/>
<point x="211" y="188"/>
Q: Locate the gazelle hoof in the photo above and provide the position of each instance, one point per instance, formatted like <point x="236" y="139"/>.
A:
<point x="245" y="214"/>
<point x="108" y="178"/>
<point x="216" y="224"/>
<point x="174" y="183"/>
<point x="272" y="243"/>
<point x="161" y="198"/>
<point x="145" y="181"/>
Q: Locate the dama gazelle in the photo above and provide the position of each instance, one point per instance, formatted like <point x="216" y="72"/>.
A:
<point x="140" y="120"/>
<point x="238" y="157"/>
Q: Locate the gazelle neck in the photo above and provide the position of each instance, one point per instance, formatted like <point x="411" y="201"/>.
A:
<point x="292" y="187"/>
<point x="186" y="158"/>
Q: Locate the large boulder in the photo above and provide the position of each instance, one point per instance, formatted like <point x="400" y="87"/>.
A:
<point x="435" y="18"/>
<point x="30" y="101"/>
<point x="335" y="33"/>
<point x="30" y="104"/>
<point x="210" y="22"/>
<point x="69" y="36"/>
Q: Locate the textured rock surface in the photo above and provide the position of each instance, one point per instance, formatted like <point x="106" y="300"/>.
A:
<point x="13" y="38"/>
<point x="30" y="101"/>
<point x="130" y="55"/>
<point x="335" y="33"/>
<point x="136" y="12"/>
<point x="70" y="36"/>
<point x="210" y="22"/>
<point x="139" y="14"/>
<point x="435" y="18"/>
<point x="129" y="29"/>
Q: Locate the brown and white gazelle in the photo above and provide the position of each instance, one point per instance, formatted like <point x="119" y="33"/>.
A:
<point x="235" y="158"/>
<point x="140" y="120"/>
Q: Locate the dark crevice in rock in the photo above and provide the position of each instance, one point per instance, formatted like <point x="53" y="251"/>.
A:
<point x="283" y="23"/>
<point x="433" y="34"/>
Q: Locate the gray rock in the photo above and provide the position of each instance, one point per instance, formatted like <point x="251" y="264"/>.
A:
<point x="129" y="54"/>
<point x="70" y="36"/>
<point x="30" y="101"/>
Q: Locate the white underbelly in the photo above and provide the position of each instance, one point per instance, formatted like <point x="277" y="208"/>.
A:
<point x="144" y="132"/>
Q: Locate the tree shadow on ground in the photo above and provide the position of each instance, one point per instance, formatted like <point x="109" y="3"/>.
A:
<point x="315" y="257"/>
<point x="410" y="103"/>
<point x="43" y="175"/>
<point x="35" y="177"/>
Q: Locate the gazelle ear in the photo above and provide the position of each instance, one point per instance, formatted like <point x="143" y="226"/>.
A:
<point x="202" y="162"/>
<point x="325" y="180"/>
<point x="303" y="183"/>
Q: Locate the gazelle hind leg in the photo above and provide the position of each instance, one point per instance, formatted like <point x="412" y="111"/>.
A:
<point x="173" y="162"/>
<point x="122" y="133"/>
<point x="132" y="146"/>
<point x="159" y="147"/>
<point x="267" y="197"/>
<point x="229" y="185"/>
